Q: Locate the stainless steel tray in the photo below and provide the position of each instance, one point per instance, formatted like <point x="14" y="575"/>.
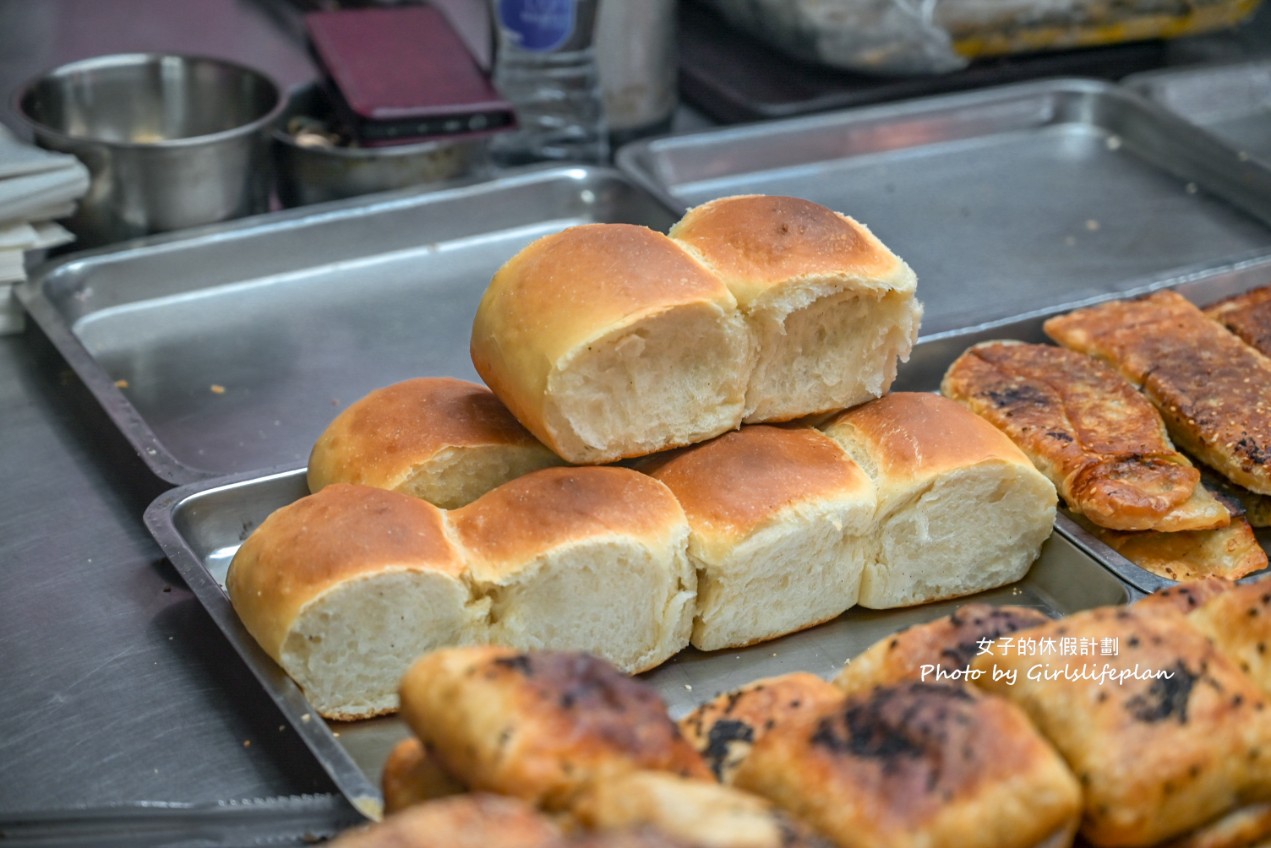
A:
<point x="1004" y="200"/>
<point x="230" y="348"/>
<point x="1231" y="101"/>
<point x="201" y="525"/>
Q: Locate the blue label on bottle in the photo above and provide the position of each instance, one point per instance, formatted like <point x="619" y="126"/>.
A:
<point x="540" y="25"/>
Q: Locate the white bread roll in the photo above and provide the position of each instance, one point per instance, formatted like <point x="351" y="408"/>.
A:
<point x="832" y="309"/>
<point x="591" y="559"/>
<point x="610" y="341"/>
<point x="778" y="522"/>
<point x="961" y="509"/>
<point x="344" y="588"/>
<point x="444" y="440"/>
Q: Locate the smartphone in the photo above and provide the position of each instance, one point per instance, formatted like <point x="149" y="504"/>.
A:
<point x="403" y="73"/>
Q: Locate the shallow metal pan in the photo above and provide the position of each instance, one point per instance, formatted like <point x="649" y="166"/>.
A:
<point x="1004" y="200"/>
<point x="1231" y="101"/>
<point x="230" y="348"/>
<point x="201" y="525"/>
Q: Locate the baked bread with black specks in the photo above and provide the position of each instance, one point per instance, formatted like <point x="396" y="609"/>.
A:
<point x="918" y="765"/>
<point x="540" y="726"/>
<point x="950" y="642"/>
<point x="1165" y="732"/>
<point x="725" y="728"/>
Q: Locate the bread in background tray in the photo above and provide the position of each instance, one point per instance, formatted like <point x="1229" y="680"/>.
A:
<point x="444" y="440"/>
<point x="918" y="764"/>
<point x="833" y="311"/>
<point x="541" y="725"/>
<point x="345" y="587"/>
<point x="477" y="820"/>
<point x="1212" y="389"/>
<point x="610" y="341"/>
<point x="779" y="521"/>
<point x="591" y="558"/>
<point x="1102" y="444"/>
<point x="1172" y="737"/>
<point x="960" y="507"/>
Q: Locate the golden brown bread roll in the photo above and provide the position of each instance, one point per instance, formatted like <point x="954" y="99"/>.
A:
<point x="949" y="643"/>
<point x="343" y="588"/>
<point x="479" y="820"/>
<point x="1083" y="425"/>
<point x="1165" y="733"/>
<point x="960" y="508"/>
<point x="832" y="309"/>
<point x="918" y="764"/>
<point x="725" y="728"/>
<point x="698" y="812"/>
<point x="410" y="776"/>
<point x="444" y="440"/>
<point x="541" y="726"/>
<point x="610" y="341"/>
<point x="778" y="521"/>
<point x="1238" y="621"/>
<point x="591" y="558"/>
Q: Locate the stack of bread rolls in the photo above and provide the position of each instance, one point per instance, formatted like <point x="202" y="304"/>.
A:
<point x="738" y="368"/>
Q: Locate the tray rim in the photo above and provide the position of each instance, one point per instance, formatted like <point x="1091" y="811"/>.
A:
<point x="636" y="157"/>
<point x="315" y="731"/>
<point x="162" y="462"/>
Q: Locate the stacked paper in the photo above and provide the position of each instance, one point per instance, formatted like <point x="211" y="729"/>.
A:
<point x="36" y="187"/>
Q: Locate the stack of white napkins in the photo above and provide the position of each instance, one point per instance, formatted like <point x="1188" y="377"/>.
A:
<point x="36" y="188"/>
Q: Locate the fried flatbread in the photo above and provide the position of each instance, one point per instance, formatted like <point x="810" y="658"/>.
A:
<point x="1248" y="315"/>
<point x="1212" y="389"/>
<point x="1101" y="443"/>
<point x="1229" y="552"/>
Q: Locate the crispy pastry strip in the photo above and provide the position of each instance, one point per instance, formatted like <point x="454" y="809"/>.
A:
<point x="1212" y="389"/>
<point x="1099" y="441"/>
<point x="1248" y="315"/>
<point x="1229" y="552"/>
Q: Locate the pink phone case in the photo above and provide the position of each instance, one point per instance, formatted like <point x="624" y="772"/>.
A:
<point x="403" y="73"/>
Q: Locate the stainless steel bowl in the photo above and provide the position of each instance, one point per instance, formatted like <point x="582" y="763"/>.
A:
<point x="309" y="172"/>
<point x="170" y="141"/>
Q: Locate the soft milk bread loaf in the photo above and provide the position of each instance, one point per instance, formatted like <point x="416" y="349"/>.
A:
<point x="591" y="558"/>
<point x="444" y="440"/>
<point x="345" y="587"/>
<point x="778" y="522"/>
<point x="832" y="309"/>
<point x="610" y="341"/>
<point x="960" y="508"/>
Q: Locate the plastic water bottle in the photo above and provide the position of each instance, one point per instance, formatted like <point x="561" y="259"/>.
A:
<point x="545" y="64"/>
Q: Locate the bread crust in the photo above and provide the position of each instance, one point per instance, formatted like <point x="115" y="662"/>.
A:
<point x="917" y="764"/>
<point x="1248" y="315"/>
<point x="951" y="641"/>
<point x="1180" y="737"/>
<point x="478" y="820"/>
<point x="321" y="541"/>
<point x="540" y="726"/>
<point x="566" y="292"/>
<point x="1101" y="443"/>
<point x="760" y="245"/>
<point x="725" y="728"/>
<point x="386" y="437"/>
<point x="1212" y="389"/>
